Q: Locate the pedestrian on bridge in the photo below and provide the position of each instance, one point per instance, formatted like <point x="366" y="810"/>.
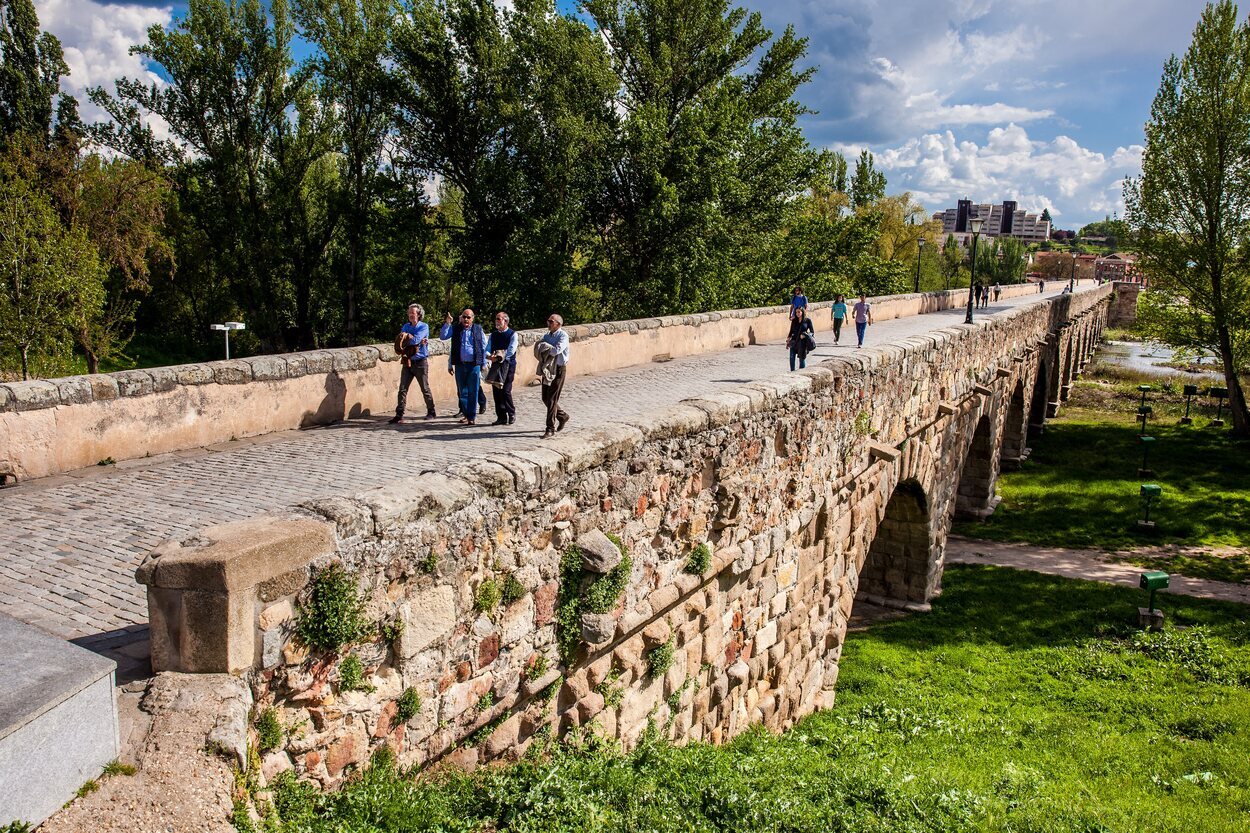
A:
<point x="863" y="317"/>
<point x="979" y="292"/>
<point x="503" y="346"/>
<point x="466" y="359"/>
<point x="798" y="301"/>
<point x="802" y="338"/>
<point x="552" y="352"/>
<point x="998" y="291"/>
<point x="839" y="315"/>
<point x="413" y="347"/>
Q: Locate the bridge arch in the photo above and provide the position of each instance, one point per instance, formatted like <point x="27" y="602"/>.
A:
<point x="902" y="567"/>
<point x="1015" y="428"/>
<point x="1038" y="400"/>
<point x="974" y="498"/>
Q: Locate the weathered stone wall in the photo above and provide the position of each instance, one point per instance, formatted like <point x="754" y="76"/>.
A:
<point x="56" y="425"/>
<point x="1123" y="310"/>
<point x="805" y="489"/>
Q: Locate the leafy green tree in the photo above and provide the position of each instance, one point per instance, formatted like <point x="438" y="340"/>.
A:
<point x="708" y="156"/>
<point x="867" y="184"/>
<point x="951" y="261"/>
<point x="1190" y="209"/>
<point x="31" y="66"/>
<point x="1046" y="215"/>
<point x="1012" y="261"/>
<point x="49" y="277"/>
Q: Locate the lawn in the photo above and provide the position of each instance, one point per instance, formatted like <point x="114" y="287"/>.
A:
<point x="1080" y="486"/>
<point x="1021" y="702"/>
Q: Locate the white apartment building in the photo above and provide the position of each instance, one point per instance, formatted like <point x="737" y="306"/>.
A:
<point x="1001" y="220"/>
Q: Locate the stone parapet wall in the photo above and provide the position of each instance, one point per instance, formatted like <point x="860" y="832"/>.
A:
<point x="786" y="482"/>
<point x="58" y="425"/>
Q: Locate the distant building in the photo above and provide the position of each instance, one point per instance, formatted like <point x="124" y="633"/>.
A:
<point x="1001" y="220"/>
<point x="1120" y="266"/>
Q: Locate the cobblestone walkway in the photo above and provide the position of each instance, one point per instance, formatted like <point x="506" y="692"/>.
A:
<point x="71" y="542"/>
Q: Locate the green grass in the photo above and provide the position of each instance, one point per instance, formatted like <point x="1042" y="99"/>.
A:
<point x="1022" y="702"/>
<point x="1080" y="487"/>
<point x="1233" y="567"/>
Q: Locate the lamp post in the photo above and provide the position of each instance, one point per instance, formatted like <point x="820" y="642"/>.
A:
<point x="227" y="327"/>
<point x="919" y="251"/>
<point x="975" y="222"/>
<point x="1072" y="279"/>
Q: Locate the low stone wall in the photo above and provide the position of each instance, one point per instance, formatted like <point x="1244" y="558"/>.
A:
<point x="1123" y="310"/>
<point x="57" y="425"/>
<point x="496" y="614"/>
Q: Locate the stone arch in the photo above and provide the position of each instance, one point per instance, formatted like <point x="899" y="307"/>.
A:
<point x="899" y="569"/>
<point x="1069" y="368"/>
<point x="974" y="498"/>
<point x="1037" y="403"/>
<point x="1013" y="450"/>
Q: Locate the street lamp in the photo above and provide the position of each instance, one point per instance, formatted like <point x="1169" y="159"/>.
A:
<point x="919" y="250"/>
<point x="1072" y="280"/>
<point x="975" y="222"/>
<point x="227" y="327"/>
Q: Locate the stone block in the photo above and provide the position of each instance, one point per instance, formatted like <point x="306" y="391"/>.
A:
<point x="6" y="399"/>
<point x="599" y="554"/>
<point x="34" y="395"/>
<point x="232" y="373"/>
<point x="267" y="368"/>
<point x="193" y="374"/>
<point x="74" y="390"/>
<point x="133" y="383"/>
<point x="163" y="379"/>
<point x="404" y="501"/>
<point x="428" y="617"/>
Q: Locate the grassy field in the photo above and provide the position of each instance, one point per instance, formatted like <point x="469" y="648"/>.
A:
<point x="1022" y="702"/>
<point x="1080" y="487"/>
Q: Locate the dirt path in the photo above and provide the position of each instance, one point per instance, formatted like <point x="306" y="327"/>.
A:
<point x="1087" y="564"/>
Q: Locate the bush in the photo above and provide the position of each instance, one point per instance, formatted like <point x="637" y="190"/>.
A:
<point x="513" y="590"/>
<point x="488" y="596"/>
<point x="699" y="561"/>
<point x="407" y="706"/>
<point x="536" y="668"/>
<point x="334" y="614"/>
<point x="352" y="675"/>
<point x="268" y="730"/>
<point x="660" y="658"/>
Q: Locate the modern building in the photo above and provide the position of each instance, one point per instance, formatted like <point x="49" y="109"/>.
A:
<point x="1003" y="219"/>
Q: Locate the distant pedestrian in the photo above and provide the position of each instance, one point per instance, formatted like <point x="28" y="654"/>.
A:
<point x="802" y="338"/>
<point x="839" y="315"/>
<point x="863" y="317"/>
<point x="413" y="346"/>
<point x="552" y="352"/>
<point x="503" y="346"/>
<point x="451" y="327"/>
<point x="978" y="292"/>
<point x="998" y="291"/>
<point x="798" y="301"/>
<point x="465" y="360"/>
<point x="1041" y="287"/>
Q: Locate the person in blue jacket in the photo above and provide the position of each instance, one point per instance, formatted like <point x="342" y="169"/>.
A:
<point x="413" y="346"/>
<point x="467" y="357"/>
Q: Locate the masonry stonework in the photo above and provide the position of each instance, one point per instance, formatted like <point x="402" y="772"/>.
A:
<point x="807" y="490"/>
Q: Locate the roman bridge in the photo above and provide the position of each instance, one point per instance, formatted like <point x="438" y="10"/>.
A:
<point x="691" y="559"/>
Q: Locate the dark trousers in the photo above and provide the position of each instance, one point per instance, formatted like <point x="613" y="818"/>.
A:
<point x="837" y="328"/>
<point x="418" y="369"/>
<point x="551" y="398"/>
<point x="504" y="407"/>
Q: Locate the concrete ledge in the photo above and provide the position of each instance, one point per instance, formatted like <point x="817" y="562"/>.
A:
<point x="58" y="721"/>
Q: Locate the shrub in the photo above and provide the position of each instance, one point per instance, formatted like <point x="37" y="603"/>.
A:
<point x="699" y="561"/>
<point x="610" y="689"/>
<point x="352" y="675"/>
<point x="392" y="630"/>
<point x="537" y="668"/>
<point x="513" y="590"/>
<point x="407" y="706"/>
<point x="600" y="596"/>
<point x="334" y="614"/>
<point x="603" y="592"/>
<point x="660" y="658"/>
<point x="429" y="564"/>
<point x="486" y="701"/>
<point x="268" y="730"/>
<point x="488" y="596"/>
<point x="116" y="767"/>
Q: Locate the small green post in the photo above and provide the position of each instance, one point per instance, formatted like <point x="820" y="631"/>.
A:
<point x="1145" y="470"/>
<point x="1190" y="392"/>
<point x="1150" y="492"/>
<point x="1220" y="395"/>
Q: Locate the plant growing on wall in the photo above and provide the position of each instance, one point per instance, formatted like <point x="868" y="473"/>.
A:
<point x="333" y="615"/>
<point x="488" y="596"/>
<point x="268" y="730"/>
<point x="576" y="596"/>
<point x="660" y="658"/>
<point x="407" y="706"/>
<point x="699" y="560"/>
<point x="352" y="675"/>
<point x="512" y="590"/>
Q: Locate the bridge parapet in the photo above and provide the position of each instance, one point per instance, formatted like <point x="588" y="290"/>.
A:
<point x="58" y="425"/>
<point x="806" y="489"/>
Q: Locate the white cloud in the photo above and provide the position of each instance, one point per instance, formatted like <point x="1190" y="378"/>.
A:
<point x="1077" y="184"/>
<point x="96" y="39"/>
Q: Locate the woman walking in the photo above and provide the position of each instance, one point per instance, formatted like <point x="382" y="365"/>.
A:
<point x="802" y="339"/>
<point x="839" y="315"/>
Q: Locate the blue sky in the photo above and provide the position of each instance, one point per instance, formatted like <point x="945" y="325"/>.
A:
<point x="989" y="99"/>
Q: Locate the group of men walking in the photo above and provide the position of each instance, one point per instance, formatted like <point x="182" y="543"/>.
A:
<point x="474" y="355"/>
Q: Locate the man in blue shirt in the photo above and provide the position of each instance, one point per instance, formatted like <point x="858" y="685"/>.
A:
<point x="466" y="358"/>
<point x="552" y="352"/>
<point x="503" y="344"/>
<point x="413" y="348"/>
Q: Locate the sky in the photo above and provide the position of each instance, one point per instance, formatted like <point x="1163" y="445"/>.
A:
<point x="1042" y="103"/>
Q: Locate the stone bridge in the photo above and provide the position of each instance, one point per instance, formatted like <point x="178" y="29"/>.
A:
<point x="693" y="565"/>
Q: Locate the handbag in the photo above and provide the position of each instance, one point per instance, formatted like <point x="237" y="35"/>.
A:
<point x="809" y="342"/>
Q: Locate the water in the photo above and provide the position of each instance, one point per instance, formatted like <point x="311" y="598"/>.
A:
<point x="1149" y="357"/>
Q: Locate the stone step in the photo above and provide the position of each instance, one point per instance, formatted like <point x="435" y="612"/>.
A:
<point x="58" y="721"/>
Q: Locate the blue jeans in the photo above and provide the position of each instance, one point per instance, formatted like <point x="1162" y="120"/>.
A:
<point x="860" y="328"/>
<point x="802" y="358"/>
<point x="469" y="388"/>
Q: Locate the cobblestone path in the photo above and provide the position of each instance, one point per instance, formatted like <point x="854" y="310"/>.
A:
<point x="71" y="542"/>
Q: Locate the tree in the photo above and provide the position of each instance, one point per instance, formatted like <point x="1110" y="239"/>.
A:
<point x="952" y="260"/>
<point x="867" y="184"/>
<point x="31" y="66"/>
<point x="1189" y="210"/>
<point x="49" y="275"/>
<point x="1046" y="215"/>
<point x="708" y="156"/>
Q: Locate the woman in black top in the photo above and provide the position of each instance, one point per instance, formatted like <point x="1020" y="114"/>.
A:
<point x="802" y="338"/>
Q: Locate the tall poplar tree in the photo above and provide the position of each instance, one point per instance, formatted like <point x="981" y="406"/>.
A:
<point x="1190" y="208"/>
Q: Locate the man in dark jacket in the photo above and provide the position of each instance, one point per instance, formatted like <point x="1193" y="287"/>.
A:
<point x="503" y="345"/>
<point x="466" y="358"/>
